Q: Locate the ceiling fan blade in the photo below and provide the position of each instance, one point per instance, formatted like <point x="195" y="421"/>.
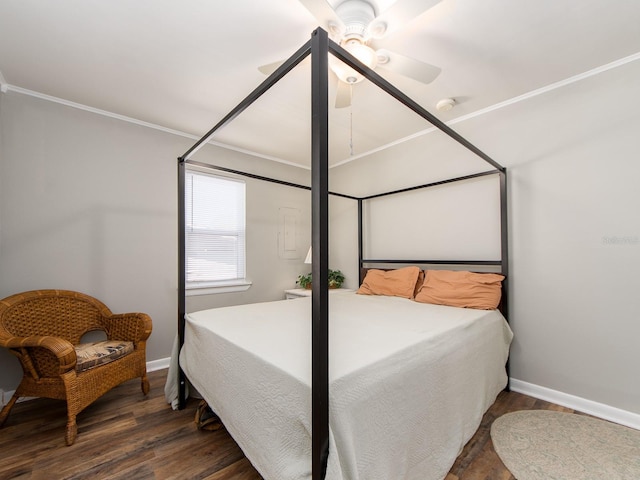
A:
<point x="409" y="67"/>
<point x="269" y="68"/>
<point x="343" y="95"/>
<point x="325" y="14"/>
<point x="400" y="14"/>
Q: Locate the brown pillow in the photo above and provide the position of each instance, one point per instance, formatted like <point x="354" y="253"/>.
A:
<point x="395" y="283"/>
<point x="461" y="289"/>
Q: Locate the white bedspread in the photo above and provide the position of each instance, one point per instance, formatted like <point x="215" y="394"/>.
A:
<point x="409" y="382"/>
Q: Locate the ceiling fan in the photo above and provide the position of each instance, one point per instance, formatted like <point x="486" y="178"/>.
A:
<point x="358" y="28"/>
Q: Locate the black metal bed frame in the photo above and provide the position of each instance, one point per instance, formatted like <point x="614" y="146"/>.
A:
<point x="319" y="47"/>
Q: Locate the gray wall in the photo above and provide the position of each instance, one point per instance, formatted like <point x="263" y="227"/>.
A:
<point x="576" y="237"/>
<point x="88" y="203"/>
<point x="572" y="157"/>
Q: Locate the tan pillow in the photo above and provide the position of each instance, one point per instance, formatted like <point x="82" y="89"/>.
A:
<point x="461" y="289"/>
<point x="395" y="283"/>
<point x="419" y="283"/>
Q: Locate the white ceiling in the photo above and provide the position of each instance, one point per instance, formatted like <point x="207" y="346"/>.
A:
<point x="184" y="64"/>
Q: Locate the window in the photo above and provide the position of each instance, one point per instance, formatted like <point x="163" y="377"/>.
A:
<point x="215" y="232"/>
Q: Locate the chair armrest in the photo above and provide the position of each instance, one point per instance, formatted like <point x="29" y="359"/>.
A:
<point x="132" y="327"/>
<point x="60" y="348"/>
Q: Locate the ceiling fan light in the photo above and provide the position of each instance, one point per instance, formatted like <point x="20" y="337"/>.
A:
<point x="382" y="57"/>
<point x="377" y="29"/>
<point x="344" y="72"/>
<point x="365" y="55"/>
<point x="335" y="29"/>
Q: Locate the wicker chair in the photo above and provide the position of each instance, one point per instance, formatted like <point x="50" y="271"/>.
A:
<point x="43" y="329"/>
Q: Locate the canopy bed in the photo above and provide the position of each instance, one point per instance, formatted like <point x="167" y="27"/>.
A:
<point x="367" y="399"/>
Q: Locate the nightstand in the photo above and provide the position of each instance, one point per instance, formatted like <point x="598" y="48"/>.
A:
<point x="303" y="292"/>
<point x="296" y="293"/>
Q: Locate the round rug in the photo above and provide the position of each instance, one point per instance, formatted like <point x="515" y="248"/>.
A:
<point x="546" y="445"/>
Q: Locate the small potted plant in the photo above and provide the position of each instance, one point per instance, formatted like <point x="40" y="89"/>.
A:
<point x="336" y="278"/>
<point x="304" y="281"/>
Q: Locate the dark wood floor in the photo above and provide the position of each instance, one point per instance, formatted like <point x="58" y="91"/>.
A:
<point x="125" y="435"/>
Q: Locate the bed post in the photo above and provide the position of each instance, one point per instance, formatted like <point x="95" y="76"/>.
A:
<point x="504" y="256"/>
<point x="182" y="310"/>
<point x="320" y="254"/>
<point x="504" y="240"/>
<point x="360" y="246"/>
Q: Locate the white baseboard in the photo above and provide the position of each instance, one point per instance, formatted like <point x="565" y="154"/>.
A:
<point x="152" y="366"/>
<point x="590" y="407"/>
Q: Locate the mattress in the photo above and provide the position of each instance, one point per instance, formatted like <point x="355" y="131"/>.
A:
<point x="409" y="382"/>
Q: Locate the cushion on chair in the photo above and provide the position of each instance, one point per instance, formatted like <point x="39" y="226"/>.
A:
<point x="91" y="355"/>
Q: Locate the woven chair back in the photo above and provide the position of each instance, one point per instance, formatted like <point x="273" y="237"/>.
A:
<point x="57" y="313"/>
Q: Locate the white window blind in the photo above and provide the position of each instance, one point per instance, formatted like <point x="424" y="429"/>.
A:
<point x="215" y="230"/>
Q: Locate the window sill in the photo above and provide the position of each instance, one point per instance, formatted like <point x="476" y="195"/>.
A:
<point x="213" y="289"/>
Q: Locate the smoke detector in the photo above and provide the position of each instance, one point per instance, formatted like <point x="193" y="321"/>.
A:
<point x="445" y="104"/>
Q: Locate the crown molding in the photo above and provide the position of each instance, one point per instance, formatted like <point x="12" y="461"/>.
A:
<point x="520" y="98"/>
<point x="98" y="111"/>
<point x="142" y="123"/>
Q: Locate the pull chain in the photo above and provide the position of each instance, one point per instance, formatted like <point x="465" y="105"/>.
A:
<point x="351" y="120"/>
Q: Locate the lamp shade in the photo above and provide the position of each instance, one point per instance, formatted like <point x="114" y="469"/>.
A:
<point x="308" y="259"/>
